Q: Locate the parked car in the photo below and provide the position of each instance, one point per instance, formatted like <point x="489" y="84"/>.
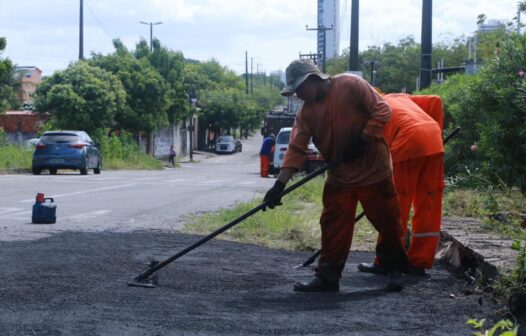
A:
<point x="66" y="150"/>
<point x="227" y="144"/>
<point x="314" y="158"/>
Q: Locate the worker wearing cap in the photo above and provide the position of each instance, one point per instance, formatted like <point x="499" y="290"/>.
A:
<point x="266" y="154"/>
<point x="414" y="135"/>
<point x="345" y="117"/>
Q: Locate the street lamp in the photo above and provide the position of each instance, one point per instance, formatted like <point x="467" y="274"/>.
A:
<point x="151" y="24"/>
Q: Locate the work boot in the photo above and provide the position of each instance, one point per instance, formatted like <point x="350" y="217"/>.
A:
<point x="317" y="284"/>
<point x="372" y="268"/>
<point x="394" y="281"/>
<point x="417" y="271"/>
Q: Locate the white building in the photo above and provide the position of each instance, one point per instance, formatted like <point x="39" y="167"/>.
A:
<point x="329" y="17"/>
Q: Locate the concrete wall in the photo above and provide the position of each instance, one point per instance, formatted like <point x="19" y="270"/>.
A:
<point x="176" y="134"/>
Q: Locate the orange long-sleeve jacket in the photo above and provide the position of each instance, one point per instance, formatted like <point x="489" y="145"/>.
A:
<point x="351" y="108"/>
<point x="415" y="129"/>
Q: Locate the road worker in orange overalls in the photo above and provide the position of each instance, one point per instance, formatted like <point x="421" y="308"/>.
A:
<point x="414" y="135"/>
<point x="345" y="117"/>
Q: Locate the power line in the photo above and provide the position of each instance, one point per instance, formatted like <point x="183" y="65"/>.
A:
<point x="98" y="21"/>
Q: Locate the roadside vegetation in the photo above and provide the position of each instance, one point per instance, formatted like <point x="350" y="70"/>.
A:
<point x="293" y="225"/>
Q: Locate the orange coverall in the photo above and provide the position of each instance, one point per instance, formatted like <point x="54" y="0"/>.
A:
<point x="414" y="134"/>
<point x="352" y="107"/>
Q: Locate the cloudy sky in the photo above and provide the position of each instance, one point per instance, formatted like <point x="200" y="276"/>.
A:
<point x="45" y="33"/>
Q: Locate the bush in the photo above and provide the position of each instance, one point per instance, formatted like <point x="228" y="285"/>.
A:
<point x="122" y="152"/>
<point x="490" y="108"/>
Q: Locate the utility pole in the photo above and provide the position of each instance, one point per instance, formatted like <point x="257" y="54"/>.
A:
<point x="151" y="24"/>
<point x="81" y="31"/>
<point x="246" y="72"/>
<point x="312" y="56"/>
<point x="324" y="53"/>
<point x="426" y="44"/>
<point x="251" y="75"/>
<point x="354" y="64"/>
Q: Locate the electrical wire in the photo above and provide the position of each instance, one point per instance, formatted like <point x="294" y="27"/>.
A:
<point x="98" y="21"/>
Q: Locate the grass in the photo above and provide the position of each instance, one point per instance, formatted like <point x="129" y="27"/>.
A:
<point x="15" y="157"/>
<point x="140" y="161"/>
<point x="292" y="226"/>
<point x="500" y="211"/>
<point x="295" y="224"/>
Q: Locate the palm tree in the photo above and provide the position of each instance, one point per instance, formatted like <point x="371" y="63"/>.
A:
<point x="481" y="18"/>
<point x="521" y="8"/>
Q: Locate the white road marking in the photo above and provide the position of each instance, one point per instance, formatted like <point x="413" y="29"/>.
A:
<point x="7" y="210"/>
<point x="83" y="192"/>
<point x="247" y="182"/>
<point x="212" y="182"/>
<point x="177" y="180"/>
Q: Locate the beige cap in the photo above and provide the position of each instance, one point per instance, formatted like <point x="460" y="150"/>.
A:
<point x="297" y="72"/>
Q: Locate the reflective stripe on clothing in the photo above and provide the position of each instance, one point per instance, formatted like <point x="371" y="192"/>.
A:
<point x="426" y="234"/>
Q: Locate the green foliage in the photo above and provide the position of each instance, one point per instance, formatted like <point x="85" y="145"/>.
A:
<point x="3" y="137"/>
<point x="490" y="108"/>
<point x="222" y="98"/>
<point x="170" y="65"/>
<point x="7" y="85"/>
<point x="501" y="328"/>
<point x="293" y="226"/>
<point x="15" y="157"/>
<point x="81" y="97"/>
<point x="122" y="152"/>
<point x="397" y="65"/>
<point x="147" y="93"/>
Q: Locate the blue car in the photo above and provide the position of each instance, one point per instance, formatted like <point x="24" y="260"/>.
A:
<point x="66" y="150"/>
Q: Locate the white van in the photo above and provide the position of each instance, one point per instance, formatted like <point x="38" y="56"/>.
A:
<point x="282" y="143"/>
<point x="314" y="158"/>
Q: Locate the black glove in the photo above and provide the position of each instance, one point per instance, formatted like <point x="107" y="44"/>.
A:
<point x="356" y="149"/>
<point x="272" y="197"/>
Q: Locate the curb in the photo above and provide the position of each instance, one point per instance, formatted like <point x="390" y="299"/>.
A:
<point x="12" y="171"/>
<point x="467" y="249"/>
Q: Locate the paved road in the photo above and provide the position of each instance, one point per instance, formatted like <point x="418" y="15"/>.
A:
<point x="129" y="200"/>
<point x="70" y="278"/>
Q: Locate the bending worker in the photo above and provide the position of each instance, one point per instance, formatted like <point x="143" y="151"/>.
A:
<point x="345" y="116"/>
<point x="414" y="135"/>
<point x="266" y="154"/>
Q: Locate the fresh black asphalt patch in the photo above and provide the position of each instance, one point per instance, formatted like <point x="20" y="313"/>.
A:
<point x="75" y="284"/>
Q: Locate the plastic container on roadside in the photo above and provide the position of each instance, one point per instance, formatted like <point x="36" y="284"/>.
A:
<point x="44" y="210"/>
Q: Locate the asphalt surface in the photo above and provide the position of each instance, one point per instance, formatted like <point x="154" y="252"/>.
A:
<point x="76" y="284"/>
<point x="70" y="278"/>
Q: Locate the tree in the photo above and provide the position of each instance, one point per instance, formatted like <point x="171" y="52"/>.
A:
<point x="521" y="8"/>
<point x="481" y="18"/>
<point x="81" y="97"/>
<point x="7" y="84"/>
<point x="147" y="93"/>
<point x="170" y="65"/>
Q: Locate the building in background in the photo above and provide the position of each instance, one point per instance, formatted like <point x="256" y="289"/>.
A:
<point x="329" y="17"/>
<point x="29" y="77"/>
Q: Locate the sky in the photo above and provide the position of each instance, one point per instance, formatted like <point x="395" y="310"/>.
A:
<point x="46" y="33"/>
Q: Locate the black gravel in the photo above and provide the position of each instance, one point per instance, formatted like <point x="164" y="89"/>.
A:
<point x="75" y="284"/>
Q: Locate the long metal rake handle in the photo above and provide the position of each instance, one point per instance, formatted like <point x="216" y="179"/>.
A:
<point x="144" y="275"/>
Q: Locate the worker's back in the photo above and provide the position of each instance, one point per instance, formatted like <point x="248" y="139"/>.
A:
<point x="411" y="133"/>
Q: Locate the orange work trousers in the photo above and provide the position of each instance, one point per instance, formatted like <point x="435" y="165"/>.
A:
<point x="264" y="163"/>
<point x="420" y="184"/>
<point x="380" y="204"/>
